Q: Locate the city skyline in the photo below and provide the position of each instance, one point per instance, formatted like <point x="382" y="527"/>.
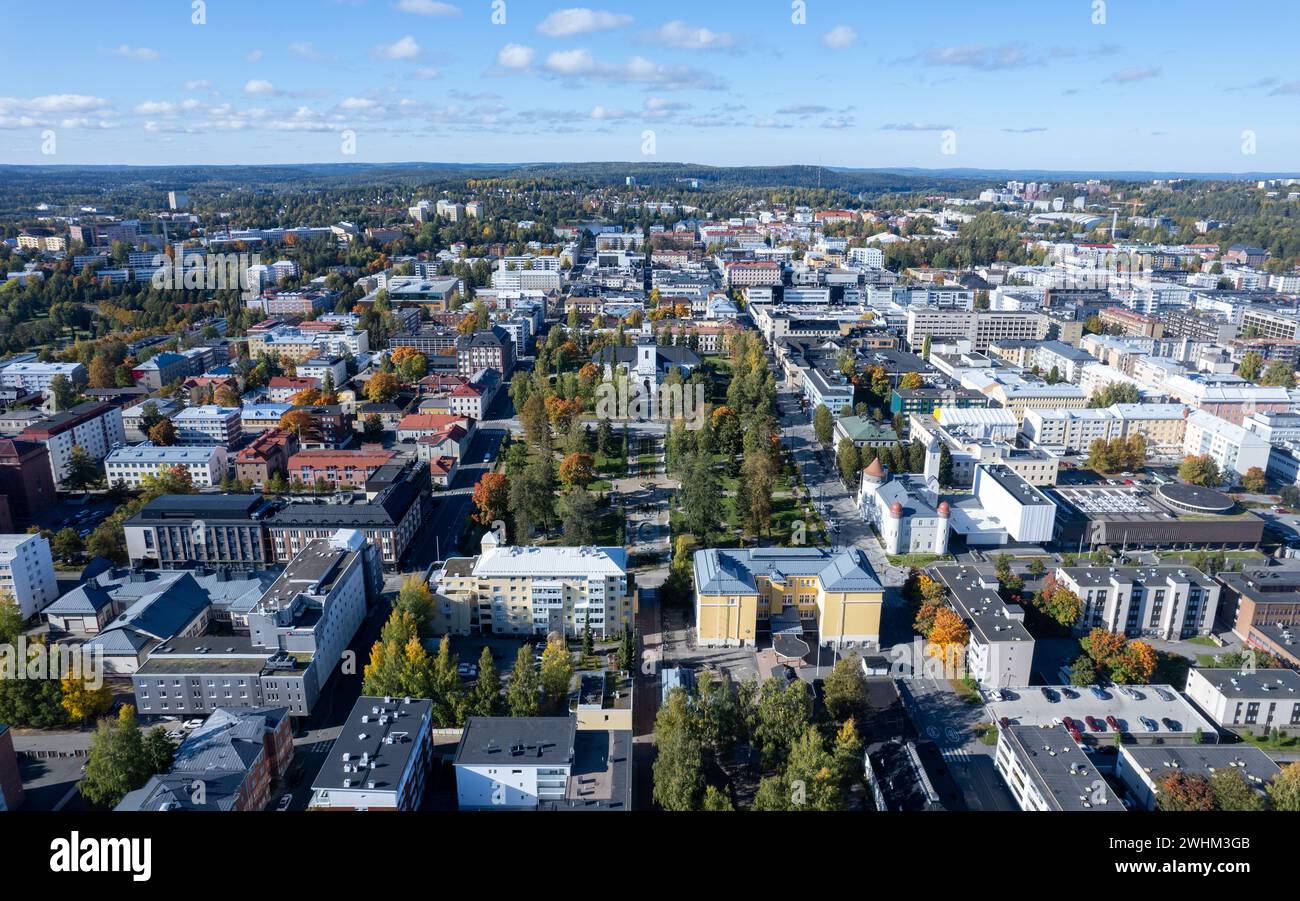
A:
<point x="1091" y="87"/>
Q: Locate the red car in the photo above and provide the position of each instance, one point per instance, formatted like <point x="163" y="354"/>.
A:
<point x="1068" y="723"/>
<point x="1113" y="723"/>
<point x="1074" y="733"/>
<point x="1093" y="723"/>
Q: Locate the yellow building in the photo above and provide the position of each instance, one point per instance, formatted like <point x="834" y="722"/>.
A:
<point x="833" y="593"/>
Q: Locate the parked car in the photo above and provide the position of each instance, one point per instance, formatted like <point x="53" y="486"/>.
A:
<point x="1005" y="721"/>
<point x="1068" y="723"/>
<point x="1113" y="723"/>
<point x="1070" y="693"/>
<point x="1172" y="725"/>
<point x="1149" y="724"/>
<point x="1051" y="696"/>
<point x="285" y="801"/>
<point x="191" y="725"/>
<point x="1098" y="692"/>
<point x="1094" y="724"/>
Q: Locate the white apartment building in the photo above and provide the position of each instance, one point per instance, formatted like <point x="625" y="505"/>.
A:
<point x="1255" y="701"/>
<point x="1162" y="425"/>
<point x="208" y="424"/>
<point x="1235" y="449"/>
<point x="546" y="280"/>
<point x="868" y="257"/>
<point x="33" y="375"/>
<point x="95" y="428"/>
<point x="981" y="328"/>
<point x="1166" y="602"/>
<point x="27" y="573"/>
<point x="1046" y="769"/>
<point x="129" y="465"/>
<point x="510" y="590"/>
<point x="1000" y="652"/>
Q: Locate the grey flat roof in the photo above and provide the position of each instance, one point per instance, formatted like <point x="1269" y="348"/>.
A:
<point x="1203" y="760"/>
<point x="988" y="616"/>
<point x="312" y="571"/>
<point x="1060" y="769"/>
<point x="1279" y="683"/>
<point x="516" y="741"/>
<point x="368" y="728"/>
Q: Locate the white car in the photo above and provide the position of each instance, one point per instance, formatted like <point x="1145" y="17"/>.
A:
<point x="176" y="736"/>
<point x="191" y="725"/>
<point x="285" y="801"/>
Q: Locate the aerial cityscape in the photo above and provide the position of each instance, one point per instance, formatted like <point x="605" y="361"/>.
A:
<point x="449" y="407"/>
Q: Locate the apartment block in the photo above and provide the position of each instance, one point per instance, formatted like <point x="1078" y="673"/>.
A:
<point x="981" y="328"/>
<point x="382" y="759"/>
<point x="131" y="465"/>
<point x="509" y="590"/>
<point x="27" y="572"/>
<point x="1167" y="602"/>
<point x="94" y="427"/>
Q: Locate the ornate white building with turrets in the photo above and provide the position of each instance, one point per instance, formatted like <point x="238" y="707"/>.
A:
<point x="906" y="512"/>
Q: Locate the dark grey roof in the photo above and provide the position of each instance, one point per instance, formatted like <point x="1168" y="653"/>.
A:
<point x="511" y="740"/>
<point x="1283" y="684"/>
<point x="370" y="725"/>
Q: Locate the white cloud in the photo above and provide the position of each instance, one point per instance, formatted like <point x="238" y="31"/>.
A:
<point x="687" y="37"/>
<point x="405" y="48"/>
<point x="637" y="70"/>
<point x="358" y="103"/>
<point x="603" y="112"/>
<point x="515" y="56"/>
<point x="253" y="56"/>
<point x="1133" y="73"/>
<point x="571" y="62"/>
<point x="982" y="57"/>
<point x="427" y="73"/>
<point x="54" y="103"/>
<point x="142" y="54"/>
<point x="580" y="20"/>
<point x="197" y="84"/>
<point x="428" y="8"/>
<point x="840" y="36"/>
<point x="259" y="86"/>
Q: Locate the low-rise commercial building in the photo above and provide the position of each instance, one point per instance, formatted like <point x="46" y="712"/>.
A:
<point x="1142" y="769"/>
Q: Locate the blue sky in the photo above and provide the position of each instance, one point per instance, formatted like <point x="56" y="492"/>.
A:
<point x="878" y="83"/>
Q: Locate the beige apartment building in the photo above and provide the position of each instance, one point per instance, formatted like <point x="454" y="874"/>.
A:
<point x="519" y="591"/>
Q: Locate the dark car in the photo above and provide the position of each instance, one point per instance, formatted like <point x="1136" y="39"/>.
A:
<point x="1172" y="725"/>
<point x="1005" y="721"/>
<point x="1098" y="692"/>
<point x="1094" y="724"/>
<point x="1051" y="696"/>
